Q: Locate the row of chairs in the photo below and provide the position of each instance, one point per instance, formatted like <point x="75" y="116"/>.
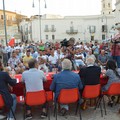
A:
<point x="68" y="96"/>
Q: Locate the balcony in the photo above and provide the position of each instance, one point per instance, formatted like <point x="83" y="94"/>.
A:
<point x="46" y="30"/>
<point x="53" y="30"/>
<point x="72" y="31"/>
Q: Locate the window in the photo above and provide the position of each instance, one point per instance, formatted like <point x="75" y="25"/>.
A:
<point x="109" y="5"/>
<point x="53" y="37"/>
<point x="53" y="27"/>
<point x="46" y="37"/>
<point x="71" y="29"/>
<point x="46" y="27"/>
<point x="103" y="37"/>
<point x="2" y="17"/>
<point x="104" y="28"/>
<point x="103" y="5"/>
<point x="92" y="29"/>
<point x="13" y="19"/>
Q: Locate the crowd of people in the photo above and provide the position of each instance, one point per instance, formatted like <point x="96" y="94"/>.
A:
<point x="34" y="59"/>
<point x="50" y="55"/>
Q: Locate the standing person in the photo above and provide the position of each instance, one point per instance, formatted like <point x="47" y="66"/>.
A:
<point x="116" y="52"/>
<point x="8" y="49"/>
<point x="10" y="99"/>
<point x="5" y="56"/>
<point x="95" y="49"/>
<point x="33" y="79"/>
<point x="65" y="80"/>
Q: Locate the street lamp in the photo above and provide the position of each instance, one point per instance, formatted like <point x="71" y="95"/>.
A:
<point x="40" y="16"/>
<point x="105" y="27"/>
<point x="5" y="22"/>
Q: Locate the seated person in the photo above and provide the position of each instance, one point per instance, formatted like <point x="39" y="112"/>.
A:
<point x="42" y="65"/>
<point x="13" y="60"/>
<point x="33" y="79"/>
<point x="113" y="74"/>
<point x="26" y="58"/>
<point x="79" y="58"/>
<point x="90" y="75"/>
<point x="10" y="99"/>
<point x="65" y="80"/>
<point x="90" y="54"/>
<point x="102" y="58"/>
<point x="53" y="62"/>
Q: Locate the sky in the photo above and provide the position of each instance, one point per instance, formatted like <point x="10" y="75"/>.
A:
<point x="58" y="7"/>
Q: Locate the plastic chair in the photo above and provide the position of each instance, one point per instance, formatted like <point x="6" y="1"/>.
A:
<point x="37" y="98"/>
<point x="114" y="90"/>
<point x="92" y="92"/>
<point x="2" y="104"/>
<point x="68" y="96"/>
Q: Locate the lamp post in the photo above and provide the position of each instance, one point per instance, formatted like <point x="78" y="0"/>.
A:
<point x="5" y="22"/>
<point x="105" y="24"/>
<point x="40" y="37"/>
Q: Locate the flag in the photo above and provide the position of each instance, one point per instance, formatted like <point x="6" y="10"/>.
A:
<point x="11" y="42"/>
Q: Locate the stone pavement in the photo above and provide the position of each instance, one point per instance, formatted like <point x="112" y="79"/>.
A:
<point x="89" y="114"/>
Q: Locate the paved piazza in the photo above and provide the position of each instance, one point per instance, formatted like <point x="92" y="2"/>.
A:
<point x="89" y="114"/>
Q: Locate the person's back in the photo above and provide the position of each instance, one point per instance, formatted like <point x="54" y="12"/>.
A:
<point x="9" y="99"/>
<point x="90" y="75"/>
<point x="113" y="74"/>
<point x="33" y="79"/>
<point x="65" y="80"/>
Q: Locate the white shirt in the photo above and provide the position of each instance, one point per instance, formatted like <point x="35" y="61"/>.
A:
<point x="45" y="57"/>
<point x="33" y="79"/>
<point x="79" y="55"/>
<point x="52" y="59"/>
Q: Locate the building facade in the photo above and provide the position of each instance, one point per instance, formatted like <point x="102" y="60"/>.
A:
<point x="12" y="24"/>
<point x="83" y="28"/>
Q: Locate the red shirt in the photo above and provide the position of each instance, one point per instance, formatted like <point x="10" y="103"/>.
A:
<point x="116" y="49"/>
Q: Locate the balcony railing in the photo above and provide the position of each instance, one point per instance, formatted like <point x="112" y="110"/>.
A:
<point x="46" y="30"/>
<point x="53" y="30"/>
<point x="72" y="31"/>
